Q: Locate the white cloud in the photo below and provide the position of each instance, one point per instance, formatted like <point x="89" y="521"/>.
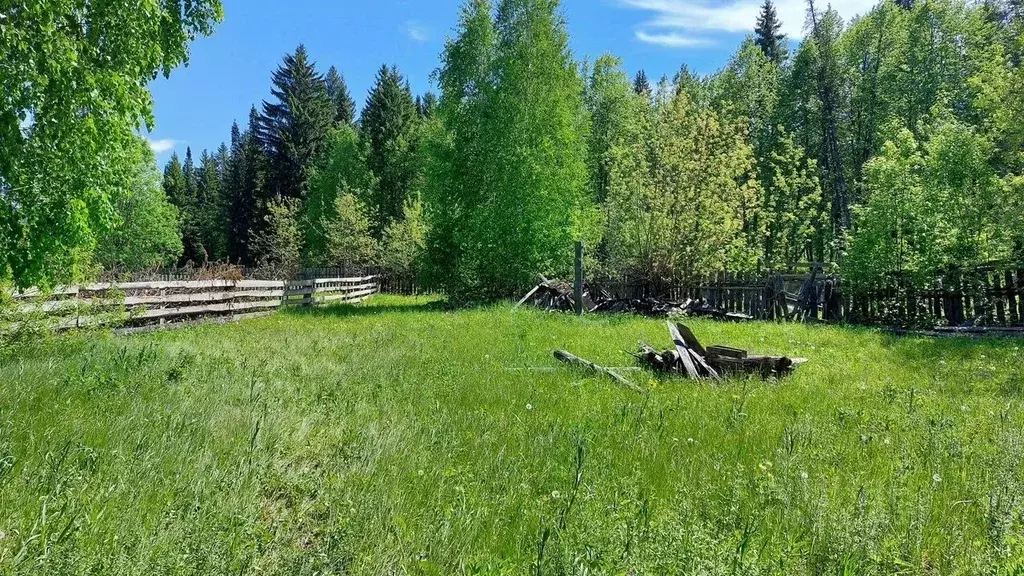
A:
<point x="672" y="39"/>
<point x="416" y="31"/>
<point x="692" y="22"/>
<point x="162" y="145"/>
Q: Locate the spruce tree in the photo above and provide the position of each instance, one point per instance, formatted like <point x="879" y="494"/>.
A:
<point x="389" y="128"/>
<point x="768" y="35"/>
<point x="207" y="210"/>
<point x="641" y="85"/>
<point x="344" y="105"/>
<point x="174" y="181"/>
<point x="294" y="129"/>
<point x="426" y="105"/>
<point x="236" y="136"/>
<point x="247" y="193"/>
<point x="905" y="4"/>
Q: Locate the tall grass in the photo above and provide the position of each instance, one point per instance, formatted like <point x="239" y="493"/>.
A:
<point x="396" y="437"/>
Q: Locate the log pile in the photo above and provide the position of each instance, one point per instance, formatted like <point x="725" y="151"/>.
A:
<point x="688" y="357"/>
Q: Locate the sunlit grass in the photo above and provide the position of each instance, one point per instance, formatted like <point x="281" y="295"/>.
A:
<point x="397" y="437"/>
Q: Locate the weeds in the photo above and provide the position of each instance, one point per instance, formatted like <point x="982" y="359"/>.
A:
<point x="389" y="438"/>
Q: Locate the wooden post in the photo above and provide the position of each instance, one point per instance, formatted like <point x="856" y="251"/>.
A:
<point x="579" y="278"/>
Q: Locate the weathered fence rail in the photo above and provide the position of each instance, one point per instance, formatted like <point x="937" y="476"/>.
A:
<point x="145" y="305"/>
<point x="979" y="297"/>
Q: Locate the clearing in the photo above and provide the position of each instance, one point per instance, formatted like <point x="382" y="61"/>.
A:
<point x="395" y="437"/>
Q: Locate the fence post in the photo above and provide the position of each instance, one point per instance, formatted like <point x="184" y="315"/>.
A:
<point x="579" y="278"/>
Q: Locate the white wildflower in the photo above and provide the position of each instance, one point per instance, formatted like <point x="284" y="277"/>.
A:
<point x="936" y="478"/>
<point x="529" y="406"/>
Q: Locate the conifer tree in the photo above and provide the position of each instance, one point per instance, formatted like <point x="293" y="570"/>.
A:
<point x="236" y="136"/>
<point x="248" y="194"/>
<point x="175" y="186"/>
<point x="206" y="214"/>
<point x="426" y="105"/>
<point x="641" y="85"/>
<point x="389" y="128"/>
<point x="768" y="35"/>
<point x="293" y="129"/>
<point x="344" y="105"/>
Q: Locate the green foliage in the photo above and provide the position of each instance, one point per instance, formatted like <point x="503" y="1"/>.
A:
<point x="894" y="238"/>
<point x="931" y="207"/>
<point x="404" y="242"/>
<point x="507" y="188"/>
<point x="350" y="243"/>
<point x="610" y="101"/>
<point x="279" y="243"/>
<point x="342" y="170"/>
<point x="794" y="213"/>
<point x="390" y="130"/>
<point x="146" y="231"/>
<point x="75" y="81"/>
<point x="683" y="200"/>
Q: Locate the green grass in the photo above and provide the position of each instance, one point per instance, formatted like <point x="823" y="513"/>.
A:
<point x="398" y="438"/>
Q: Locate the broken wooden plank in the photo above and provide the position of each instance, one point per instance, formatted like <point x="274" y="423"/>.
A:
<point x="691" y="339"/>
<point x="727" y="352"/>
<point x="684" y="352"/>
<point x="573" y="360"/>
<point x="528" y="296"/>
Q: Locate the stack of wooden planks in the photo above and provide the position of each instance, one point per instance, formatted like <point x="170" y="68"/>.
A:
<point x="688" y="357"/>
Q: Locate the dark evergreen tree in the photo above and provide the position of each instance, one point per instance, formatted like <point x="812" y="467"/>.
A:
<point x="426" y="104"/>
<point x="905" y="4"/>
<point x="207" y="212"/>
<point x="768" y="35"/>
<point x="236" y="136"/>
<point x="175" y="185"/>
<point x="187" y="203"/>
<point x="390" y="126"/>
<point x="293" y="130"/>
<point x="641" y="85"/>
<point x="189" y="171"/>
<point x="344" y="105"/>
<point x="246" y="192"/>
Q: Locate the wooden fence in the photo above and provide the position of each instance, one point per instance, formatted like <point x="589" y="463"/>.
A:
<point x="980" y="297"/>
<point x="147" y="305"/>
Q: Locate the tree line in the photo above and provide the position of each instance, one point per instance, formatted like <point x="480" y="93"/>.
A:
<point x="891" y="145"/>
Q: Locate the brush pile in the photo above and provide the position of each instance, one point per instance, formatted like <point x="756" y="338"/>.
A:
<point x="557" y="295"/>
<point x="690" y="358"/>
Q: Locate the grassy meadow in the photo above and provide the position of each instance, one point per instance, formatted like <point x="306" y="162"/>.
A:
<point x="399" y="438"/>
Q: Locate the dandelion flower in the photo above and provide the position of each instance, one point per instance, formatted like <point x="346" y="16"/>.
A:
<point x="555" y="495"/>
<point x="803" y="475"/>
<point x="936" y="478"/>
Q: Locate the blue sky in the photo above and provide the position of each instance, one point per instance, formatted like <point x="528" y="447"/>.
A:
<point x="230" y="71"/>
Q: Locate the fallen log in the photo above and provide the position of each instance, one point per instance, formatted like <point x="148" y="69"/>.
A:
<point x="578" y="362"/>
